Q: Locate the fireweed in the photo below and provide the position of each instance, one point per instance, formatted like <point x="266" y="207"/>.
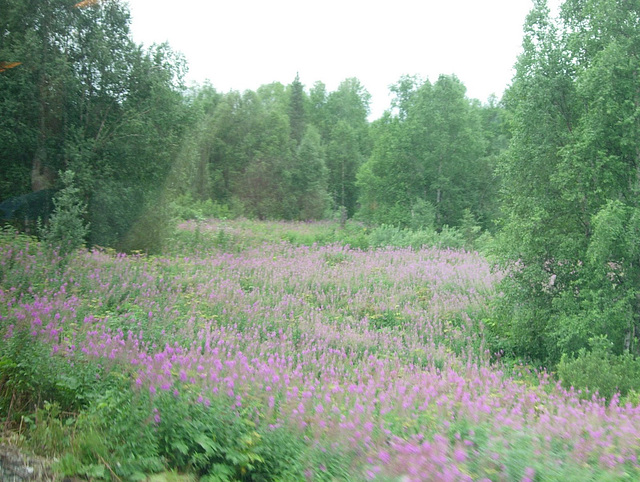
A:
<point x="375" y="354"/>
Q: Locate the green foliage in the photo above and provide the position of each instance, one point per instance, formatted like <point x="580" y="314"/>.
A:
<point x="297" y="110"/>
<point x="152" y="228"/>
<point x="469" y="227"/>
<point x="111" y="438"/>
<point x="310" y="177"/>
<point x="184" y="207"/>
<point x="387" y="320"/>
<point x="113" y="209"/>
<point x="31" y="375"/>
<point x="428" y="158"/>
<point x="341" y="118"/>
<point x="15" y="249"/>
<point x="100" y="107"/>
<point x="275" y="154"/>
<point x="115" y="435"/>
<point x="221" y="444"/>
<point x="570" y="184"/>
<point x="599" y="370"/>
<point x="344" y="157"/>
<point x="447" y="237"/>
<point x="423" y="215"/>
<point x="49" y="432"/>
<point x="240" y="234"/>
<point x="66" y="230"/>
<point x="387" y="236"/>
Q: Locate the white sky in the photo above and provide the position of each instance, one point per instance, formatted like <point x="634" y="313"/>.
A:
<point x="242" y="44"/>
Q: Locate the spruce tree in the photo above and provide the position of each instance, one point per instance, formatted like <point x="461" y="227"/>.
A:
<point x="297" y="114"/>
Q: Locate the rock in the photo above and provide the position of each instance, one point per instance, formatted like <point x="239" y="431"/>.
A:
<point x="18" y="467"/>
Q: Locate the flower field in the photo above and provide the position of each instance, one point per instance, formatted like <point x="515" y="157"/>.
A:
<point x="286" y="362"/>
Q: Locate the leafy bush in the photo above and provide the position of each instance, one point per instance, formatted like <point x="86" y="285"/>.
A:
<point x="447" y="237"/>
<point x="185" y="208"/>
<point x="598" y="370"/>
<point x="213" y="440"/>
<point x="386" y="235"/>
<point x="22" y="256"/>
<point x="423" y="215"/>
<point x="30" y="375"/>
<point x="116" y="434"/>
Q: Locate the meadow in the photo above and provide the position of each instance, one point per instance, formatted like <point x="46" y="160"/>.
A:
<point x="274" y="351"/>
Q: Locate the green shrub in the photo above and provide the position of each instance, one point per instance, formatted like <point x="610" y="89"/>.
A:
<point x="469" y="227"/>
<point x="210" y="440"/>
<point x="598" y="370"/>
<point x="31" y="375"/>
<point x="423" y="215"/>
<point x="22" y="256"/>
<point x="221" y="443"/>
<point x="386" y="235"/>
<point x="116" y="434"/>
<point x="184" y="207"/>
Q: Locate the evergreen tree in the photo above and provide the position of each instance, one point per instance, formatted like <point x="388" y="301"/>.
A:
<point x="297" y="111"/>
<point x="67" y="229"/>
<point x="311" y="176"/>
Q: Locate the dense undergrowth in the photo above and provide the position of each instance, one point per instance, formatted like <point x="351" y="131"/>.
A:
<point x="277" y="351"/>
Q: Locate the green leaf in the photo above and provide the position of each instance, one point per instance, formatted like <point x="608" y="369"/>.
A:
<point x="219" y="473"/>
<point x="97" y="471"/>
<point x="180" y="446"/>
<point x="208" y="444"/>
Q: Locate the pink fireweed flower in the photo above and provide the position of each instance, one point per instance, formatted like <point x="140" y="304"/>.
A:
<point x="529" y="474"/>
<point x="459" y="455"/>
<point x="305" y="339"/>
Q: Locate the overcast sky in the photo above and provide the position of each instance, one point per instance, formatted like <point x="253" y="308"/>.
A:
<point x="242" y="44"/>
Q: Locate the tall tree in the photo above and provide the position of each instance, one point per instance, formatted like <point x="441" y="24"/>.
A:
<point x="317" y="106"/>
<point x="310" y="176"/>
<point x="297" y="111"/>
<point x="388" y="182"/>
<point x="344" y="157"/>
<point x="571" y="181"/>
<point x="89" y="100"/>
<point x="32" y="96"/>
<point x="265" y="186"/>
<point x="432" y="151"/>
<point x="345" y="129"/>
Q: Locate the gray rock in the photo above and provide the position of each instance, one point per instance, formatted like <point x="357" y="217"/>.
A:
<point x="15" y="466"/>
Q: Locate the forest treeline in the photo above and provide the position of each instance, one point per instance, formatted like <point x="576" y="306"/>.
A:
<point x="552" y="169"/>
<point x="86" y="98"/>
